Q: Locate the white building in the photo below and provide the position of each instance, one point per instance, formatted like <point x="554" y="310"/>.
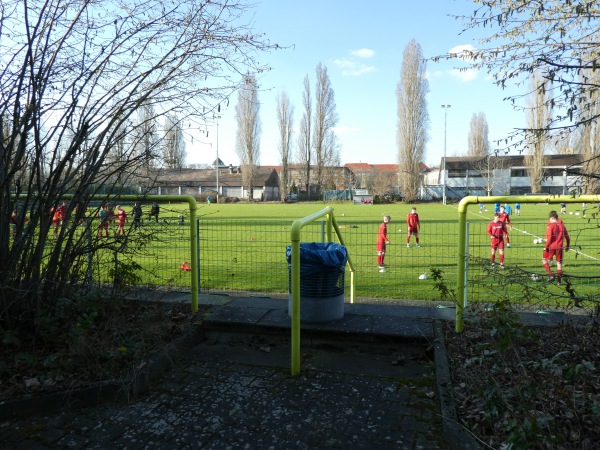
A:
<point x="507" y="175"/>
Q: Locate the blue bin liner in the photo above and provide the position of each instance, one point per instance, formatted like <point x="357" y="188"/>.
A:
<point x="322" y="268"/>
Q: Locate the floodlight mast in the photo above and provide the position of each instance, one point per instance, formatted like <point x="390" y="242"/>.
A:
<point x="444" y="162"/>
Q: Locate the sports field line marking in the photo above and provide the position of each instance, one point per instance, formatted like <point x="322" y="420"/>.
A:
<point x="532" y="235"/>
<point x="570" y="250"/>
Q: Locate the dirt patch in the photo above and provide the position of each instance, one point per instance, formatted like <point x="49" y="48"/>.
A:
<point x="534" y="388"/>
<point x="80" y="345"/>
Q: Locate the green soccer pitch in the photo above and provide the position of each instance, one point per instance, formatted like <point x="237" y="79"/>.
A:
<point x="438" y="238"/>
<point x="242" y="248"/>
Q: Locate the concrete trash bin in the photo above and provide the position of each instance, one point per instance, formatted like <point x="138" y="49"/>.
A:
<point x="322" y="271"/>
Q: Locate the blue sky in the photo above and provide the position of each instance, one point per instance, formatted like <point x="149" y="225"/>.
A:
<point x="361" y="44"/>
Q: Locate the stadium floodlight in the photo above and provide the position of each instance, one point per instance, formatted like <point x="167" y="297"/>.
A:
<point x="216" y="118"/>
<point x="444" y="165"/>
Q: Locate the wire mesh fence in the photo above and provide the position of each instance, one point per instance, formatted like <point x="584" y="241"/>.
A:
<point x="523" y="280"/>
<point x="153" y="252"/>
<point x="250" y="255"/>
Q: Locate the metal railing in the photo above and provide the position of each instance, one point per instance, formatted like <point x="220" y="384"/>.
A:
<point x="296" y="236"/>
<point x="462" y="260"/>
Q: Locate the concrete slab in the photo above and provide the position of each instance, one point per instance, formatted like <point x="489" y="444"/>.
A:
<point x="403" y="327"/>
<point x="230" y="314"/>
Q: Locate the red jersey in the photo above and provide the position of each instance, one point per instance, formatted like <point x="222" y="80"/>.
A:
<point x="556" y="232"/>
<point x="504" y="217"/>
<point x="122" y="216"/>
<point x="412" y="221"/>
<point x="497" y="230"/>
<point x="56" y="215"/>
<point x="62" y="210"/>
<point x="382" y="233"/>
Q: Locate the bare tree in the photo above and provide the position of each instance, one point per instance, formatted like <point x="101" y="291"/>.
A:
<point x="174" y="143"/>
<point x="588" y="144"/>
<point x="146" y="137"/>
<point x="413" y="118"/>
<point x="304" y="135"/>
<point x="488" y="168"/>
<point x="557" y="38"/>
<point x="248" y="132"/>
<point x="382" y="181"/>
<point x="479" y="144"/>
<point x="285" y="118"/>
<point x="73" y="79"/>
<point x="539" y="116"/>
<point x="325" y="119"/>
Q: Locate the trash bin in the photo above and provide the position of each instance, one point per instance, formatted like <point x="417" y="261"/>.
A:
<point x="322" y="270"/>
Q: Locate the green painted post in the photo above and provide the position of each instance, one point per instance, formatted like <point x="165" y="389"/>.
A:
<point x="295" y="313"/>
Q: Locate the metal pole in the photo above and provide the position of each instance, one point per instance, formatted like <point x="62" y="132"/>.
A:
<point x="444" y="165"/>
<point x="217" y="163"/>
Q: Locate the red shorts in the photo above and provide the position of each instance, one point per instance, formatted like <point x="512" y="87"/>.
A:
<point x="497" y="244"/>
<point x="380" y="245"/>
<point x="551" y="253"/>
<point x="412" y="231"/>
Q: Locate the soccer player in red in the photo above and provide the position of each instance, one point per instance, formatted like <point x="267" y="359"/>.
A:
<point x="104" y="221"/>
<point x="505" y="217"/>
<point x="58" y="215"/>
<point x="122" y="218"/>
<point x="382" y="240"/>
<point x="556" y="234"/>
<point x="496" y="230"/>
<point x="413" y="224"/>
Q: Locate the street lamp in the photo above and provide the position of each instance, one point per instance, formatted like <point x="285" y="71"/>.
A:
<point x="444" y="168"/>
<point x="217" y="161"/>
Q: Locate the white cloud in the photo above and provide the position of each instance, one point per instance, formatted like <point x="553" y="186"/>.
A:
<point x="464" y="74"/>
<point x="462" y="53"/>
<point x="462" y="50"/>
<point x="434" y="75"/>
<point x="363" y="53"/>
<point x="352" y="66"/>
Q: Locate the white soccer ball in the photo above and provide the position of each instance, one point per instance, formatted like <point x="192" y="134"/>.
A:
<point x="536" y="241"/>
<point x="422" y="276"/>
<point x="343" y="215"/>
<point x="535" y="277"/>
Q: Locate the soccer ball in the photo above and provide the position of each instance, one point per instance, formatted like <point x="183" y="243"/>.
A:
<point x="422" y="276"/>
<point x="535" y="277"/>
<point x="343" y="215"/>
<point x="536" y="241"/>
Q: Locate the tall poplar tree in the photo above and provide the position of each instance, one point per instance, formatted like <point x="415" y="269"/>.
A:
<point x="413" y="119"/>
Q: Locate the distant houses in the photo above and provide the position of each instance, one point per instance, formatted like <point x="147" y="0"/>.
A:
<point x="461" y="176"/>
<point x="226" y="180"/>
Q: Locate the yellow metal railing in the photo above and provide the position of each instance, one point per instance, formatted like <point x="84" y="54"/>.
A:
<point x="331" y="226"/>
<point x="461" y="297"/>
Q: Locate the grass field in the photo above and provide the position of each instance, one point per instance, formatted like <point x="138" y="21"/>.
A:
<point x="243" y="248"/>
